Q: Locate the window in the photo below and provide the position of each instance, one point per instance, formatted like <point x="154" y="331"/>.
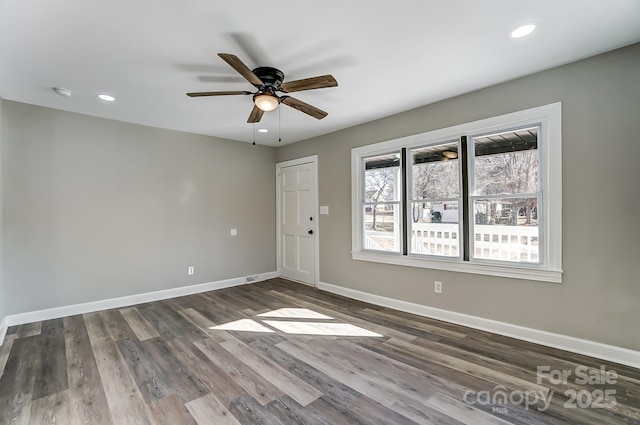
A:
<point x="506" y="191"/>
<point x="381" y="203"/>
<point x="483" y="197"/>
<point x="435" y="195"/>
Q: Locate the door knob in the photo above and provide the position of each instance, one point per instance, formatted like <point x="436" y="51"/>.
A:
<point x="311" y="232"/>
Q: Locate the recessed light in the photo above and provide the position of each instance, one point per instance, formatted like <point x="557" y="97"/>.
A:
<point x="523" y="30"/>
<point x="106" y="97"/>
<point x="263" y="130"/>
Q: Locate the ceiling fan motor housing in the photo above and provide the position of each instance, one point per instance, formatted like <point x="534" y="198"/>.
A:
<point x="270" y="77"/>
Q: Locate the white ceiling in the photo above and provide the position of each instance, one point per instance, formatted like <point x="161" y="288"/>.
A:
<point x="387" y="56"/>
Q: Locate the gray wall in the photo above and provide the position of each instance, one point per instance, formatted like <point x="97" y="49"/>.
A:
<point x="2" y="295"/>
<point x="599" y="298"/>
<point x="96" y="209"/>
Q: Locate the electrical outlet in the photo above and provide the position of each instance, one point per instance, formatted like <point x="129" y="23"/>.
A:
<point x="190" y="270"/>
<point x="437" y="287"/>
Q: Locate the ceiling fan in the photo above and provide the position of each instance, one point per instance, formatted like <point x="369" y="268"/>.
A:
<point x="268" y="81"/>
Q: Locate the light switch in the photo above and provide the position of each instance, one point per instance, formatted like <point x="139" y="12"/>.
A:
<point x="324" y="209"/>
<point x="234" y="232"/>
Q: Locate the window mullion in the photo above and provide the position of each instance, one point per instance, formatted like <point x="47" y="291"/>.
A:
<point x="466" y="215"/>
<point x="405" y="202"/>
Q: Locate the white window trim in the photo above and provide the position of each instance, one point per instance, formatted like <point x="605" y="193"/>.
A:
<point x="550" y="118"/>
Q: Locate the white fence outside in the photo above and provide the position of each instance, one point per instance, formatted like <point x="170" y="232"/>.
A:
<point x="496" y="242"/>
<point x="435" y="239"/>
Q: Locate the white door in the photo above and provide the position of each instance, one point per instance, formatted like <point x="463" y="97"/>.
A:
<point x="297" y="221"/>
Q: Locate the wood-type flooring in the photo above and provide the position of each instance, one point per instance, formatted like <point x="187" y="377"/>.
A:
<point x="278" y="352"/>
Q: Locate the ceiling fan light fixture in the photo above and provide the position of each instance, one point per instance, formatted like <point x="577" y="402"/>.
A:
<point x="266" y="101"/>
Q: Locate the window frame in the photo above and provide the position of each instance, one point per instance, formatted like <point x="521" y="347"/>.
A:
<point x="549" y="117"/>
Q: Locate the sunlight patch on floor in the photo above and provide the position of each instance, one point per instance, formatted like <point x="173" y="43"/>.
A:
<point x="294" y="313"/>
<point x="242" y="325"/>
<point x="320" y="328"/>
<point x="314" y="324"/>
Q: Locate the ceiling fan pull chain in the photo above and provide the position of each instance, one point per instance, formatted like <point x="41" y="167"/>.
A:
<point x="279" y="125"/>
<point x="254" y="134"/>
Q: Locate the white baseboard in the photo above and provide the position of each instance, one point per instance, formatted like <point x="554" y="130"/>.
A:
<point x="576" y="345"/>
<point x="70" y="310"/>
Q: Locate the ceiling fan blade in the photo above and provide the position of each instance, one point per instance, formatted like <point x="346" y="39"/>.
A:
<point x="218" y="93"/>
<point x="256" y="115"/>
<point x="312" y="83"/>
<point x="241" y="68"/>
<point x="303" y="107"/>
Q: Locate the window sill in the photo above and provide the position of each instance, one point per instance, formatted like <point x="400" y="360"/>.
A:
<point x="514" y="272"/>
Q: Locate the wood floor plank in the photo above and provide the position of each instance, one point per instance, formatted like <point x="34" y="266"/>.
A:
<point x="411" y="386"/>
<point x="96" y="326"/>
<point x="171" y="411"/>
<point x="288" y="411"/>
<point x="248" y="411"/>
<point x="446" y="380"/>
<point x="5" y="349"/>
<point x="157" y="373"/>
<point x="217" y="309"/>
<point x="385" y="393"/>
<point x="208" y="410"/>
<point x="51" y="376"/>
<point x="54" y="409"/>
<point x="117" y="325"/>
<point x="437" y="330"/>
<point x="424" y="414"/>
<point x="413" y="382"/>
<point x="258" y="387"/>
<point x="85" y="385"/>
<point x="16" y="383"/>
<point x="205" y="325"/>
<point x="138" y="324"/>
<point x="169" y="322"/>
<point x="16" y="410"/>
<point x="361" y="410"/>
<point x="210" y="375"/>
<point x="197" y="319"/>
<point x="473" y="357"/>
<point x="463" y="412"/>
<point x="126" y="404"/>
<point x="145" y="373"/>
<point x="289" y="383"/>
<point x="29" y="329"/>
<point x="19" y="374"/>
<point x="483" y="372"/>
<point x="518" y="414"/>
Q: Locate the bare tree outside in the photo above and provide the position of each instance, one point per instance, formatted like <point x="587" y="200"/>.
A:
<point x="510" y="173"/>
<point x="434" y="181"/>
<point x="379" y="187"/>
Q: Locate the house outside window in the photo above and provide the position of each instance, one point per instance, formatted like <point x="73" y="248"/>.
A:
<point x="482" y="197"/>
